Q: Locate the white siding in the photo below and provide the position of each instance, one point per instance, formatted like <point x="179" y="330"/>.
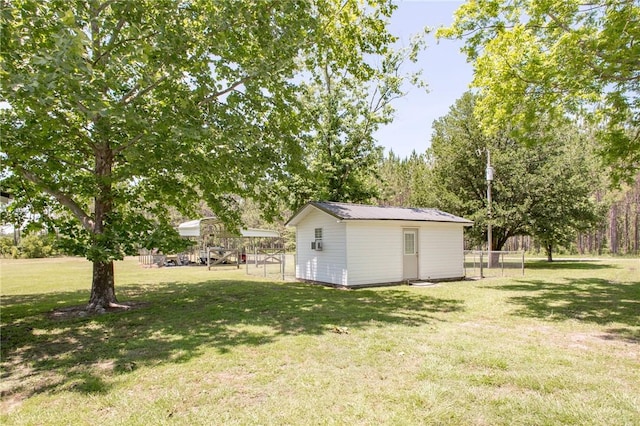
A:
<point x="441" y="251"/>
<point x="370" y="251"/>
<point x="374" y="252"/>
<point x="328" y="265"/>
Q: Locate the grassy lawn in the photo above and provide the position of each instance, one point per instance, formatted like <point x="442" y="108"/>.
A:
<point x="560" y="345"/>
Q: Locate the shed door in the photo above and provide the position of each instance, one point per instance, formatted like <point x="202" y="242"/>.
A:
<point x="410" y="254"/>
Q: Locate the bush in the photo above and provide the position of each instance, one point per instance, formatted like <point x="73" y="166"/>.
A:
<point x="37" y="246"/>
<point x="7" y="247"/>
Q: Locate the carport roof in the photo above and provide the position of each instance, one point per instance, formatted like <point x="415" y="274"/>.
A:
<point x="192" y="229"/>
<point x="347" y="211"/>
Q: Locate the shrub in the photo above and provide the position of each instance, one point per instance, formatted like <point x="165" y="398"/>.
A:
<point x="37" y="246"/>
<point x="6" y="246"/>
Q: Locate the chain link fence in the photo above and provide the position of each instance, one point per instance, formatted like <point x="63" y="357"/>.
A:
<point x="481" y="264"/>
<point x="271" y="263"/>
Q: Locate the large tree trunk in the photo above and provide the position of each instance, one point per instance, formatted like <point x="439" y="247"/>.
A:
<point x="494" y="260"/>
<point x="549" y="249"/>
<point x="103" y="294"/>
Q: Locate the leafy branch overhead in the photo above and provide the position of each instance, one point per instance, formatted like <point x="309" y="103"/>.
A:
<point x="551" y="60"/>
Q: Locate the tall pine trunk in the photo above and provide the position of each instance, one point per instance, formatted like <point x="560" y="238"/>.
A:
<point x="613" y="228"/>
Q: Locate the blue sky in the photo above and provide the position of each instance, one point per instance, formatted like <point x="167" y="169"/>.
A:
<point x="444" y="69"/>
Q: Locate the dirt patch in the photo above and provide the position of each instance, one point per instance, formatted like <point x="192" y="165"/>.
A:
<point x="80" y="311"/>
<point x="21" y="384"/>
<point x="9" y="403"/>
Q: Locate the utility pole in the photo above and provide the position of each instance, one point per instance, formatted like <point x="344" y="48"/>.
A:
<point x="489" y="172"/>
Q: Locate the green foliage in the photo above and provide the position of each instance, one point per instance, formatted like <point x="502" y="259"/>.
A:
<point x="33" y="246"/>
<point x="555" y="59"/>
<point x="406" y="181"/>
<point x="564" y="206"/>
<point x="543" y="191"/>
<point x="343" y="111"/>
<point x="7" y="246"/>
<point x="120" y="110"/>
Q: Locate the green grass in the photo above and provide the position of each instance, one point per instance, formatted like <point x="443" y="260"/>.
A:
<point x="560" y="345"/>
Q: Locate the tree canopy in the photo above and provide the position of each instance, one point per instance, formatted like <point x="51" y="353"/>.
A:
<point x="543" y="191"/>
<point x="545" y="61"/>
<point x="118" y="110"/>
<point x="341" y="156"/>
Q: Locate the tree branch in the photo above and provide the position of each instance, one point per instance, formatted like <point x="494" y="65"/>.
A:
<point x="125" y="99"/>
<point x="64" y="119"/>
<point x="215" y="95"/>
<point x="127" y="145"/>
<point x="557" y="21"/>
<point x="112" y="47"/>
<point x="104" y="5"/>
<point x="83" y="108"/>
<point x="53" y="157"/>
<point x="63" y="198"/>
<point x="112" y="40"/>
<point x="135" y="94"/>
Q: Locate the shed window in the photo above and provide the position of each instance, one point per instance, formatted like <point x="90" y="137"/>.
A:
<point x="318" y="233"/>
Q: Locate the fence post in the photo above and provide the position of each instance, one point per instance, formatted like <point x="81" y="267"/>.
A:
<point x="474" y="262"/>
<point x="502" y="260"/>
<point x="481" y="266"/>
<point x="464" y="261"/>
<point x="523" y="263"/>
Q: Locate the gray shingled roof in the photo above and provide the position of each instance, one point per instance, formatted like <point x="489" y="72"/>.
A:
<point x="345" y="211"/>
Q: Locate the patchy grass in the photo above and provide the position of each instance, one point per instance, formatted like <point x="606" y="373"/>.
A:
<point x="560" y="345"/>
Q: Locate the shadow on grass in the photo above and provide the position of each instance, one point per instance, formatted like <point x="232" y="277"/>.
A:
<point x="179" y="321"/>
<point x="592" y="300"/>
<point x="568" y="264"/>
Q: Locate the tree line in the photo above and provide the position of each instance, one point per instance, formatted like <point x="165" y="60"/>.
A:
<point x="556" y="194"/>
<point x="616" y="230"/>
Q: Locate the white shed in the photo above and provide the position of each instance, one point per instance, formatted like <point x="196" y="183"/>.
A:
<point x="355" y="245"/>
